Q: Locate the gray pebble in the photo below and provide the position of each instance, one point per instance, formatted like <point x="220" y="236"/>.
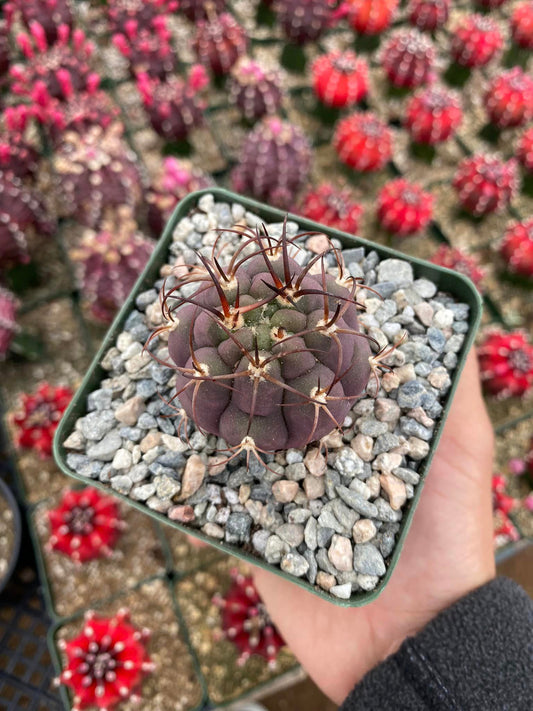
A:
<point x="238" y="527"/>
<point x="97" y="424"/>
<point x="324" y="562"/>
<point x="145" y="299"/>
<point x="122" y="483"/>
<point x="291" y="533"/>
<point x="348" y="463"/>
<point x="105" y="450"/>
<point x="407" y="475"/>
<point x="313" y="567"/>
<point x="100" y="399"/>
<point x="142" y="492"/>
<point x="410" y="394"/>
<point x="293" y="456"/>
<point x="259" y="540"/>
<point x="397" y="271"/>
<point x="368" y="560"/>
<point x="294" y="564"/>
<point x="357" y="502"/>
<point x="410" y="426"/>
<point x="310" y="533"/>
<point x="425" y="288"/>
<point x="324" y="536"/>
<point x="274" y="550"/>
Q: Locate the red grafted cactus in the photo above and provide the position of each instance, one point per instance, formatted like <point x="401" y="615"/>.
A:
<point x="200" y="9"/>
<point x="485" y="184"/>
<point x="175" y="181"/>
<point x="219" y="42"/>
<point x="363" y="142"/>
<point x="506" y="363"/>
<point x="371" y="17"/>
<point x="17" y="155"/>
<point x="476" y="41"/>
<point x="275" y="162"/>
<point x="106" y="663"/>
<point x="522" y="25"/>
<point x="173" y="106"/>
<point x="525" y="150"/>
<point x="20" y="212"/>
<point x="459" y="261"/>
<point x="256" y="91"/>
<point x="340" y="78"/>
<point x="433" y="115"/>
<point x="333" y="206"/>
<point x="96" y="171"/>
<point x="429" y="15"/>
<point x="56" y="70"/>
<point x="109" y="263"/>
<point x="85" y="525"/>
<point x="245" y="621"/>
<point x="49" y="14"/>
<point x="509" y="98"/>
<point x="8" y="324"/>
<point x="37" y="416"/>
<point x="404" y="208"/>
<point x="268" y="354"/>
<point x="408" y="58"/>
<point x="148" y="51"/>
<point x="503" y="505"/>
<point x="132" y="15"/>
<point x="516" y="248"/>
<point x="304" y="20"/>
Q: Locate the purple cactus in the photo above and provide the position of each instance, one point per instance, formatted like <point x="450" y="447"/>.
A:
<point x="17" y="155"/>
<point x="148" y="51"/>
<point x="49" y="14"/>
<point x="177" y="179"/>
<point x="8" y="325"/>
<point x="5" y="51"/>
<point x="268" y="354"/>
<point x="201" y="9"/>
<point x="255" y="91"/>
<point x="275" y="163"/>
<point x="20" y="212"/>
<point x="56" y="70"/>
<point x="129" y="15"/>
<point x="109" y="263"/>
<point x="173" y="105"/>
<point x="219" y="42"/>
<point x="304" y="20"/>
<point x="96" y="172"/>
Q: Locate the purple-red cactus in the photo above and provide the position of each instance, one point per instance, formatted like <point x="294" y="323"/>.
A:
<point x="4" y="50"/>
<point x="304" y="20"/>
<point x="255" y="91"/>
<point x="20" y="211"/>
<point x="199" y="9"/>
<point x="274" y="164"/>
<point x="17" y="155"/>
<point x="173" y="106"/>
<point x="49" y="14"/>
<point x="130" y="15"/>
<point x="148" y="50"/>
<point x="96" y="171"/>
<point x="268" y="354"/>
<point x="8" y="324"/>
<point x="219" y="42"/>
<point x="56" y="70"/>
<point x="109" y="263"/>
<point x="177" y="179"/>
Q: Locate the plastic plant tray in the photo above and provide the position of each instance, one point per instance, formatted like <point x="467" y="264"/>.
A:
<point x="446" y="280"/>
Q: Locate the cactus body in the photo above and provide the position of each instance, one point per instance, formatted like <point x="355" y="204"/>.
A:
<point x="485" y="184"/>
<point x="433" y="115"/>
<point x="255" y="91"/>
<point x="219" y="42"/>
<point x="37" y="417"/>
<point x="459" y="261"/>
<point x="49" y="14"/>
<point x="8" y="325"/>
<point x="332" y="206"/>
<point x="428" y="15"/>
<point x="304" y="20"/>
<point x="340" y="78"/>
<point x="408" y="59"/>
<point x="404" y="208"/>
<point x="525" y="150"/>
<point x="132" y="15"/>
<point x="516" y="248"/>
<point x="371" y="17"/>
<point x="363" y="142"/>
<point x="522" y="25"/>
<point x="475" y="41"/>
<point x="148" y="50"/>
<point x="506" y="363"/>
<point x="509" y="98"/>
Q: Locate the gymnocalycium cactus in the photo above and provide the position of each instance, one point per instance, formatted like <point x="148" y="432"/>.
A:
<point x="268" y="354"/>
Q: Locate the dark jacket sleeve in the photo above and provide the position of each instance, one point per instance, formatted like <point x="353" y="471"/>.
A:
<point x="475" y="656"/>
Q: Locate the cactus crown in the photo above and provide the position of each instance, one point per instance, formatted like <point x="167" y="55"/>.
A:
<point x="268" y="354"/>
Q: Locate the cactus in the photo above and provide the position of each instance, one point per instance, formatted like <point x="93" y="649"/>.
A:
<point x="429" y="15"/>
<point x="254" y="90"/>
<point x="8" y="324"/>
<point x="489" y="4"/>
<point x="459" y="261"/>
<point x="433" y="115"/>
<point x="20" y="212"/>
<point x="201" y="9"/>
<point x="522" y="25"/>
<point x="408" y="59"/>
<point x="516" y="248"/>
<point x="363" y="142"/>
<point x="219" y="42"/>
<point x="274" y="164"/>
<point x="5" y="52"/>
<point x="17" y="155"/>
<point x="524" y="152"/>
<point x="485" y="184"/>
<point x="148" y="51"/>
<point x="475" y="41"/>
<point x="173" y="106"/>
<point x="176" y="180"/>
<point x="84" y="525"/>
<point x="49" y="14"/>
<point x="506" y="363"/>
<point x="130" y="15"/>
<point x="106" y="662"/>
<point x="304" y="21"/>
<point x="340" y="78"/>
<point x="509" y="98"/>
<point x="332" y="206"/>
<point x="245" y="621"/>
<point x="404" y="208"/>
<point x="267" y="354"/>
<point x="502" y="505"/>
<point x="96" y="172"/>
<point x="56" y="70"/>
<point x="109" y="263"/>
<point x="371" y="17"/>
<point x="37" y="416"/>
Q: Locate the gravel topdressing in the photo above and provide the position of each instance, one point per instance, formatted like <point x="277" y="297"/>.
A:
<point x="330" y="515"/>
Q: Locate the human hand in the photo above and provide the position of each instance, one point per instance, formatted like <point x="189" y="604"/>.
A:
<point x="448" y="553"/>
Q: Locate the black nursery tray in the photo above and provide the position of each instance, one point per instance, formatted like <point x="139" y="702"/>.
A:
<point x="455" y="284"/>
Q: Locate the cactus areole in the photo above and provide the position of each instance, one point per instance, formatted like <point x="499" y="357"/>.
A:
<point x="268" y="354"/>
